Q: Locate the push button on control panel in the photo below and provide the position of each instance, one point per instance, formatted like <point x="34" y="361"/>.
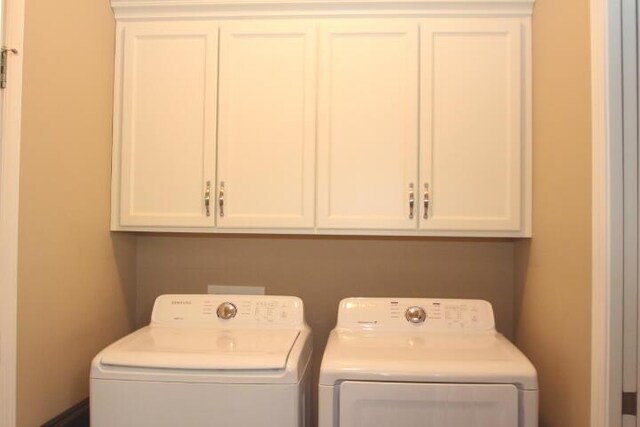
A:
<point x="415" y="314"/>
<point x="226" y="311"/>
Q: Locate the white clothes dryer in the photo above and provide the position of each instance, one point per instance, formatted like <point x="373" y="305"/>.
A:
<point x="208" y="360"/>
<point x="423" y="362"/>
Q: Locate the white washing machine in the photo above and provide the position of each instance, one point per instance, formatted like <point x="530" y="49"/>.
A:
<point x="423" y="362"/>
<point x="208" y="360"/>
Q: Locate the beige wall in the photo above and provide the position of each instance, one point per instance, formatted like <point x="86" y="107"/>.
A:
<point x="323" y="270"/>
<point x="76" y="291"/>
<point x="553" y="269"/>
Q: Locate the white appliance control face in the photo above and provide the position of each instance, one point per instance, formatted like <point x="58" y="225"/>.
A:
<point x="228" y="310"/>
<point x="409" y="313"/>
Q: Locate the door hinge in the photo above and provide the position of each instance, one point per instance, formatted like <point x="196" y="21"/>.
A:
<point x="629" y="405"/>
<point x="4" y="53"/>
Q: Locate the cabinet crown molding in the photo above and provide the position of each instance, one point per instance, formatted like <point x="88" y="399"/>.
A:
<point x="171" y="9"/>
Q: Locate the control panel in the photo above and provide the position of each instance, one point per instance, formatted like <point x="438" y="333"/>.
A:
<point x="410" y="313"/>
<point x="228" y="310"/>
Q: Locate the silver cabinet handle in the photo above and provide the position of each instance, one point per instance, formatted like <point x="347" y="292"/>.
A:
<point x="411" y="200"/>
<point x="207" y="198"/>
<point x="426" y="195"/>
<point x="221" y="198"/>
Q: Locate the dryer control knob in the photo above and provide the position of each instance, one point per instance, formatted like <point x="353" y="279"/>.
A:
<point x="415" y="314"/>
<point x="226" y="311"/>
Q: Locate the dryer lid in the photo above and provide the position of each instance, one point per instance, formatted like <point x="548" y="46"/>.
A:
<point x="486" y="357"/>
<point x="203" y="348"/>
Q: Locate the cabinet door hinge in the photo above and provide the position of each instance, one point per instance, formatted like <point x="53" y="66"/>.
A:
<point x="4" y="54"/>
<point x="629" y="405"/>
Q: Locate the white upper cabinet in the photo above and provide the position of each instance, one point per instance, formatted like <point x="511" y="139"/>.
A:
<point x="266" y="125"/>
<point x="380" y="117"/>
<point x="368" y="125"/>
<point x="164" y="145"/>
<point x="473" y="135"/>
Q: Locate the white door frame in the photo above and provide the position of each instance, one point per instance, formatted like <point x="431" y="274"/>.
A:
<point x="9" y="189"/>
<point x="607" y="209"/>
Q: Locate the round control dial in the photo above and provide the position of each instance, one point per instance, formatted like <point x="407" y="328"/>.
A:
<point x="226" y="311"/>
<point x="415" y="314"/>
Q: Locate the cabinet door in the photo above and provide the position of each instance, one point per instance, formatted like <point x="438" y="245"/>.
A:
<point x="266" y="150"/>
<point x="167" y="123"/>
<point x="368" y="125"/>
<point x="472" y="125"/>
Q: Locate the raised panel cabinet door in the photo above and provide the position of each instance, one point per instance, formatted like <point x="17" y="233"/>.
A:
<point x="473" y="138"/>
<point x="368" y="126"/>
<point x="266" y="149"/>
<point x="166" y="119"/>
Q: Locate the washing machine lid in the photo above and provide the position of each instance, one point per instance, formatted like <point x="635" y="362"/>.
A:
<point x="486" y="357"/>
<point x="203" y="348"/>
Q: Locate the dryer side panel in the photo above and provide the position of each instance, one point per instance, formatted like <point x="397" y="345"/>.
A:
<point x="374" y="404"/>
